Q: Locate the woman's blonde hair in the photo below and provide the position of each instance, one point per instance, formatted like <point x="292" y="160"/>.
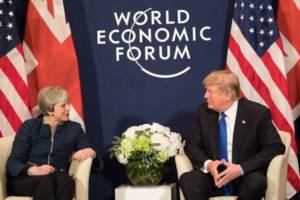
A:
<point x="51" y="95"/>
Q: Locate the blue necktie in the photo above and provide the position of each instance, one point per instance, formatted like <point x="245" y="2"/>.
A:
<point x="223" y="148"/>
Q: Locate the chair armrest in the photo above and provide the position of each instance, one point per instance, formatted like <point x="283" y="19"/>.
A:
<point x="276" y="178"/>
<point x="6" y="145"/>
<point x="183" y="164"/>
<point x="80" y="171"/>
<point x="2" y="186"/>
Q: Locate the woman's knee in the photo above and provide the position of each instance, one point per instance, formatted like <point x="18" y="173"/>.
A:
<point x="46" y="181"/>
<point x="63" y="180"/>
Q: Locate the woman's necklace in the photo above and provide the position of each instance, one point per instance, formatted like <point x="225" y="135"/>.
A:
<point x="52" y="125"/>
<point x="53" y="129"/>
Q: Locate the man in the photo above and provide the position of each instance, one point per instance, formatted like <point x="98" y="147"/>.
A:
<point x="234" y="142"/>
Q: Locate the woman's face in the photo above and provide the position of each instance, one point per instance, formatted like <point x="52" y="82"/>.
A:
<point x="61" y="111"/>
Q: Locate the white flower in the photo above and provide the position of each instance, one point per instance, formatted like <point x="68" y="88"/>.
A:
<point x="176" y="144"/>
<point x="145" y="127"/>
<point x="160" y="129"/>
<point x="151" y="141"/>
<point x="122" y="159"/>
<point x="159" y="141"/>
<point x="130" y="132"/>
<point x="176" y="140"/>
<point x="126" y="147"/>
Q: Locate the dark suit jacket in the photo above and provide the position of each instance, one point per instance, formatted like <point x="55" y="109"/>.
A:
<point x="33" y="142"/>
<point x="255" y="139"/>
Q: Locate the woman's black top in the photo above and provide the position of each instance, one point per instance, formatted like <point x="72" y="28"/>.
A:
<point x="35" y="145"/>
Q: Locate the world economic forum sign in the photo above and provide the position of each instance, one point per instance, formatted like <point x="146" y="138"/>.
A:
<point x="161" y="43"/>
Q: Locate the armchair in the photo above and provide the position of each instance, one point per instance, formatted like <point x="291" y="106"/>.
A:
<point x="276" y="173"/>
<point x="80" y="171"/>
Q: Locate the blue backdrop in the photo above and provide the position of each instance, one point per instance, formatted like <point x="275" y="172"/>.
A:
<point x="141" y="62"/>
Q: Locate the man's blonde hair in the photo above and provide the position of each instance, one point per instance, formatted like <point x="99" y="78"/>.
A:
<point x="226" y="82"/>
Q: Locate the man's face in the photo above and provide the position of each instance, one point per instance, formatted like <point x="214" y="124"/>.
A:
<point x="216" y="99"/>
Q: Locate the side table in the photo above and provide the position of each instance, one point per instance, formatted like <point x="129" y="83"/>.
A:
<point x="157" y="192"/>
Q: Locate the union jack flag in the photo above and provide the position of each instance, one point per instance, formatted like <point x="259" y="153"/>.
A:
<point x="45" y="56"/>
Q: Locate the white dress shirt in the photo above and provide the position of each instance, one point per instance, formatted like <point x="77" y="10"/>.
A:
<point x="230" y="122"/>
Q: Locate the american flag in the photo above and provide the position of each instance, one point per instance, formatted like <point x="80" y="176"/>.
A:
<point x="256" y="55"/>
<point x="14" y="103"/>
<point x="45" y="56"/>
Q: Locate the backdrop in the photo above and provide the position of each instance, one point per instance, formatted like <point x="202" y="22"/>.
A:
<point x="174" y="44"/>
<point x="143" y="62"/>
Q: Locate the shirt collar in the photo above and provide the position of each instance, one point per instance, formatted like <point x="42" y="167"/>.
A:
<point x="231" y="112"/>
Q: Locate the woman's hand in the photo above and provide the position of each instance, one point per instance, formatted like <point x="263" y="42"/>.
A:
<point x="40" y="170"/>
<point x="84" y="154"/>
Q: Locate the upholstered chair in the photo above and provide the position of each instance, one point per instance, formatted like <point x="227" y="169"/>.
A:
<point x="276" y="173"/>
<point x="80" y="171"/>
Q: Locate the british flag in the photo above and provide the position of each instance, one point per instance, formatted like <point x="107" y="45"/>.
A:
<point x="45" y="56"/>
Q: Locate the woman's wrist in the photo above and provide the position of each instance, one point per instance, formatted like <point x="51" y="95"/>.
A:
<point x="29" y="171"/>
<point x="93" y="153"/>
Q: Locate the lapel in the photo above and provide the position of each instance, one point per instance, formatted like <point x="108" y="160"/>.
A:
<point x="213" y="132"/>
<point x="239" y="130"/>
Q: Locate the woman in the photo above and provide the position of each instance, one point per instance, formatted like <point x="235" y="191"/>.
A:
<point x="39" y="160"/>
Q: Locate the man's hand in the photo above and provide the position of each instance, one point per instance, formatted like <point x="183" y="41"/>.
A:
<point x="212" y="167"/>
<point x="84" y="154"/>
<point x="40" y="170"/>
<point x="231" y="172"/>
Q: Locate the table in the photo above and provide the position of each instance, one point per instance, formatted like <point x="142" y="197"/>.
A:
<point x="157" y="192"/>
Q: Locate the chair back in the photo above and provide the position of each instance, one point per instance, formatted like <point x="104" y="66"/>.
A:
<point x="277" y="171"/>
<point x="5" y="145"/>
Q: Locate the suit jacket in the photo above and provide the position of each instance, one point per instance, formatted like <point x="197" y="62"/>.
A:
<point x="32" y="145"/>
<point x="255" y="139"/>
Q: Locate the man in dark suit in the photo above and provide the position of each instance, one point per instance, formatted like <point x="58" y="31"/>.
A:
<point x="236" y="166"/>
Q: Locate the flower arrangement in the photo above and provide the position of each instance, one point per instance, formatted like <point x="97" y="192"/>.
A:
<point x="147" y="145"/>
<point x="144" y="149"/>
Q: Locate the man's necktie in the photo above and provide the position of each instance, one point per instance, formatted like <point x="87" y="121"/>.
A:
<point x="223" y="148"/>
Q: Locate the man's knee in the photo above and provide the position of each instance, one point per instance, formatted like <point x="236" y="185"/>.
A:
<point x="257" y="182"/>
<point x="184" y="179"/>
<point x="195" y="185"/>
<point x="254" y="184"/>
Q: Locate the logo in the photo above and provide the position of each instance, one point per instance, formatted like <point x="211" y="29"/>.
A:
<point x="153" y="38"/>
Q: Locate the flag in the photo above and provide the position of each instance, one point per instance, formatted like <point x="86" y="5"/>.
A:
<point x="256" y="55"/>
<point x="14" y="99"/>
<point x="288" y="16"/>
<point x="44" y="56"/>
<point x="50" y="54"/>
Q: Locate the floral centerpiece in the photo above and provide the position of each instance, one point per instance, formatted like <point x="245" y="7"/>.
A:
<point x="144" y="149"/>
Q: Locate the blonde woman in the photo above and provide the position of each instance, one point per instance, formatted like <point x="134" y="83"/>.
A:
<point x="43" y="146"/>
